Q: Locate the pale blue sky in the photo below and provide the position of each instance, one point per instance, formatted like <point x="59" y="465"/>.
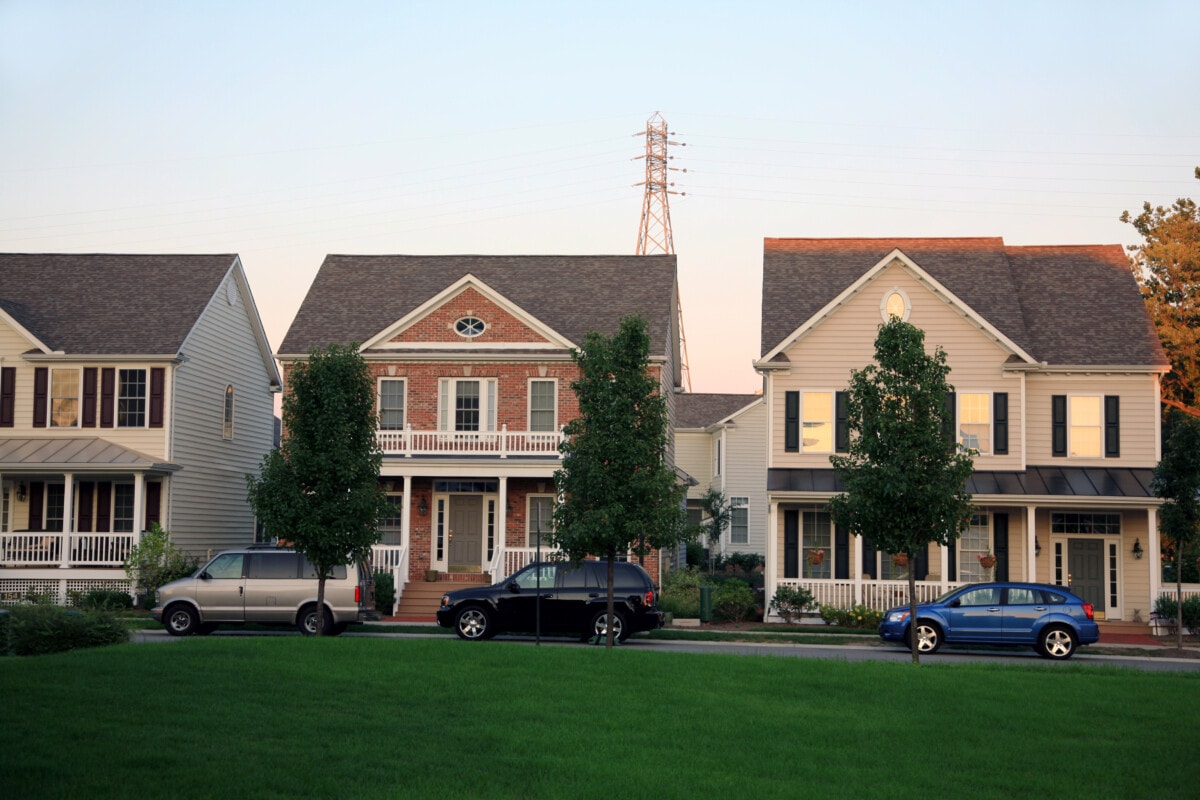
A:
<point x="287" y="130"/>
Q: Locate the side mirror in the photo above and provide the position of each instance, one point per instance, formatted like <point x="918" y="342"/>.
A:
<point x="514" y="587"/>
<point x="955" y="603"/>
<point x="204" y="576"/>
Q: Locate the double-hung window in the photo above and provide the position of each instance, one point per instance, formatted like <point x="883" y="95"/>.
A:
<point x="123" y="508"/>
<point x="543" y="405"/>
<point x="975" y="422"/>
<point x="816" y="553"/>
<point x="391" y="404"/>
<point x="1086" y="426"/>
<point x="739" y="520"/>
<point x="467" y="404"/>
<point x="974" y="542"/>
<point x="1085" y="420"/>
<point x="131" y="398"/>
<point x="55" y="506"/>
<point x="64" y="398"/>
<point x="817" y="426"/>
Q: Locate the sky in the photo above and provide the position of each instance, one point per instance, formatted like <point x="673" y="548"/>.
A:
<point x="285" y="131"/>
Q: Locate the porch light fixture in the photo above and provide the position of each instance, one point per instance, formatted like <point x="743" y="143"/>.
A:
<point x="1137" y="548"/>
<point x="422" y="507"/>
<point x="21" y="491"/>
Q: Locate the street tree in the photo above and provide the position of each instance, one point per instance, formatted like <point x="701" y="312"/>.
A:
<point x="716" y="508"/>
<point x="904" y="477"/>
<point x="1167" y="268"/>
<point x="320" y="490"/>
<point x="1177" y="482"/>
<point x="618" y="492"/>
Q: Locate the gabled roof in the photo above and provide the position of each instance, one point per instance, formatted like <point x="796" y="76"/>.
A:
<point x="355" y="298"/>
<point x="104" y="304"/>
<point x="702" y="410"/>
<point x="1067" y="306"/>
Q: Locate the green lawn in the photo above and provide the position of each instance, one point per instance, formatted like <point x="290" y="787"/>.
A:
<point x="292" y="717"/>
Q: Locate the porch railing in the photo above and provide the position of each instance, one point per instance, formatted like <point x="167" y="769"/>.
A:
<point x="507" y="560"/>
<point x="502" y="443"/>
<point x="877" y="595"/>
<point x="52" y="549"/>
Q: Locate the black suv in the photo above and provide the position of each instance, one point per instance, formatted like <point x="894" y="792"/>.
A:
<point x="573" y="601"/>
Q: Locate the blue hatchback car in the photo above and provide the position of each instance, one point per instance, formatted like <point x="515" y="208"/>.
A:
<point x="1047" y="618"/>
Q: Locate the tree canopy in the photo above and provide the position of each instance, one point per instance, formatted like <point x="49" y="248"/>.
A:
<point x="904" y="482"/>
<point x="618" y="492"/>
<point x="320" y="490"/>
<point x="1177" y="482"/>
<point x="1167" y="268"/>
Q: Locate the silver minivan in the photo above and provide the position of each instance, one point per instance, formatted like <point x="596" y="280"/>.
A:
<point x="269" y="585"/>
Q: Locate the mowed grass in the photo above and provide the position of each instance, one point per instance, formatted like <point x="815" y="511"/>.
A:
<point x="290" y="717"/>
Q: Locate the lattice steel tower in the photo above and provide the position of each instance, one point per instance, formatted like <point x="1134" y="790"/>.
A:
<point x="654" y="233"/>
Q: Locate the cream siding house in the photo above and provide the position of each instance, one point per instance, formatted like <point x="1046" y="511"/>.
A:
<point x="1056" y="371"/>
<point x="134" y="389"/>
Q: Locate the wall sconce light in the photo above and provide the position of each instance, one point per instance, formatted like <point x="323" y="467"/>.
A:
<point x="422" y="507"/>
<point x="1137" y="548"/>
<point x="1037" y="546"/>
<point x="21" y="490"/>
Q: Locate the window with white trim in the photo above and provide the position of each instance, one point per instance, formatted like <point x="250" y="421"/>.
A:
<point x="975" y="421"/>
<point x="543" y="405"/>
<point x="227" y="414"/>
<point x="739" y="520"/>
<point x="55" y="506"/>
<point x="467" y="404"/>
<point x="539" y="520"/>
<point x="4" y="511"/>
<point x="1085" y="420"/>
<point x="816" y="554"/>
<point x="817" y="422"/>
<point x="64" y="398"/>
<point x="393" y="519"/>
<point x="122" y="521"/>
<point x="974" y="542"/>
<point x="131" y="398"/>
<point x="391" y="404"/>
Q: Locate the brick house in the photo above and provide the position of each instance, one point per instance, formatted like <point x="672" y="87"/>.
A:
<point x="472" y="360"/>
<point x="134" y="389"/>
<point x="1056" y="368"/>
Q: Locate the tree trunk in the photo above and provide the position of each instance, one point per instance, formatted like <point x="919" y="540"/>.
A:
<point x="1178" y="594"/>
<point x="609" y="638"/>
<point x="321" y="605"/>
<point x="912" y="608"/>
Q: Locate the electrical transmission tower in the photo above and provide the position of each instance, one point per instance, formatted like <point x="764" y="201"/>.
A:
<point x="654" y="233"/>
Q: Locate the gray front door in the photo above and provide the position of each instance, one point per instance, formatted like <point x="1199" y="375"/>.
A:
<point x="1085" y="562"/>
<point x="466" y="530"/>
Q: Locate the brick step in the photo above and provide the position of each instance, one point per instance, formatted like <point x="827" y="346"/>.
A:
<point x="1121" y="626"/>
<point x="420" y="600"/>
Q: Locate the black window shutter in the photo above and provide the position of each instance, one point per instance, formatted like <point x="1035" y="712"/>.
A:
<point x="8" y="396"/>
<point x="86" y="490"/>
<point x="36" y="490"/>
<point x="40" y="379"/>
<point x="921" y="564"/>
<point x="108" y="388"/>
<point x="868" y="557"/>
<point x="841" y="430"/>
<point x="157" y="380"/>
<point x="791" y="543"/>
<point x="1112" y="426"/>
<point x="89" y="397"/>
<point x="1000" y="423"/>
<point x="103" y="507"/>
<point x="153" y="504"/>
<point x="1000" y="545"/>
<point x="841" y="553"/>
<point x="1058" y="425"/>
<point x="952" y="560"/>
<point x="791" y="424"/>
<point x="950" y="420"/>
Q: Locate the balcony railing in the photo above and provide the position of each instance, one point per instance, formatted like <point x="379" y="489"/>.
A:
<point x="501" y="444"/>
<point x="51" y="549"/>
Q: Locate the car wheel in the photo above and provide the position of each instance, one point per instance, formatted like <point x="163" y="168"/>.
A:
<point x="473" y="624"/>
<point x="599" y="626"/>
<point x="1057" y="643"/>
<point x="307" y="623"/>
<point x="929" y="637"/>
<point x="182" y="620"/>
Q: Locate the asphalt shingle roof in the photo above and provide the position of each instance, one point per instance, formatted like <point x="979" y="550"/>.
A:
<point x="1066" y="305"/>
<point x="353" y="298"/>
<point x="702" y="410"/>
<point x="107" y="304"/>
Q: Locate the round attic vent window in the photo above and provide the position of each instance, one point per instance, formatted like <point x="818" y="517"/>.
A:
<point x="469" y="327"/>
<point x="895" y="304"/>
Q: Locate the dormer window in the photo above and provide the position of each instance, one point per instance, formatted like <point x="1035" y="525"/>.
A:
<point x="470" y="327"/>
<point x="895" y="304"/>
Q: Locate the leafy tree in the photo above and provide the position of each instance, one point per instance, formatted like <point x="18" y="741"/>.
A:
<point x="1167" y="267"/>
<point x="905" y="485"/>
<point x="1177" y="481"/>
<point x="618" y="491"/>
<point x="719" y="515"/>
<point x="320" y="490"/>
<point x="154" y="561"/>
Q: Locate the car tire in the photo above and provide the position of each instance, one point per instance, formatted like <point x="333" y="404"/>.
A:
<point x="181" y="620"/>
<point x="599" y="627"/>
<point x="473" y="623"/>
<point x="307" y="621"/>
<point x="1057" y="643"/>
<point x="929" y="637"/>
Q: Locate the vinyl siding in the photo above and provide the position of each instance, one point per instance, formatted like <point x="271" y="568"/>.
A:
<point x="746" y="473"/>
<point x="208" y="509"/>
<point x="693" y="455"/>
<point x="1139" y="411"/>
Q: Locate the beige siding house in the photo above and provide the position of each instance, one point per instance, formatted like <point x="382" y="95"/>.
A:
<point x="721" y="442"/>
<point x="1056" y="371"/>
<point x="134" y="389"/>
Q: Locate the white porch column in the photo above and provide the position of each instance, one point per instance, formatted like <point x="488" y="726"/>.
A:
<point x="64" y="556"/>
<point x="1153" y="556"/>
<point x="405" y="511"/>
<point x="772" y="557"/>
<point x="944" y="567"/>
<point x="139" y="504"/>
<point x="856" y="556"/>
<point x="502" y="514"/>
<point x="1031" y="543"/>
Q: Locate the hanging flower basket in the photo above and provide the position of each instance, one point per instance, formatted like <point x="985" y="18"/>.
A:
<point x="816" y="557"/>
<point x="900" y="560"/>
<point x="987" y="560"/>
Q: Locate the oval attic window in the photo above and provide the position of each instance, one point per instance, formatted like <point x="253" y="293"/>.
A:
<point x="469" y="327"/>
<point x="895" y="304"/>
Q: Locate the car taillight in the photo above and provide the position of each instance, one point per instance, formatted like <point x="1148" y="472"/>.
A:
<point x="648" y="599"/>
<point x="1090" y="610"/>
<point x="357" y="594"/>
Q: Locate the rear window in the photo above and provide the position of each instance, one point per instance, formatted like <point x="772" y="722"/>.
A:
<point x="1054" y="598"/>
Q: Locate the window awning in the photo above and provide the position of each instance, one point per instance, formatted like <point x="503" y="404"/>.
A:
<point x="81" y="454"/>
<point x="1034" y="481"/>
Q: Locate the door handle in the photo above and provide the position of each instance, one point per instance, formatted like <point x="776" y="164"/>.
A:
<point x="994" y="608"/>
<point x="1039" y="608"/>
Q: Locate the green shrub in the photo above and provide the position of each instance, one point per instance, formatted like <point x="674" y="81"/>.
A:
<point x="859" y="616"/>
<point x="102" y="600"/>
<point x="1167" y="609"/>
<point x="747" y="564"/>
<point x="385" y="593"/>
<point x="733" y="600"/>
<point x="681" y="592"/>
<point x="40" y="629"/>
<point x="154" y="561"/>
<point x="5" y="628"/>
<point x="696" y="556"/>
<point x="791" y="602"/>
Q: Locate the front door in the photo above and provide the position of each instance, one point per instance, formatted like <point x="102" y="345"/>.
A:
<point x="1085" y="563"/>
<point x="466" y="533"/>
